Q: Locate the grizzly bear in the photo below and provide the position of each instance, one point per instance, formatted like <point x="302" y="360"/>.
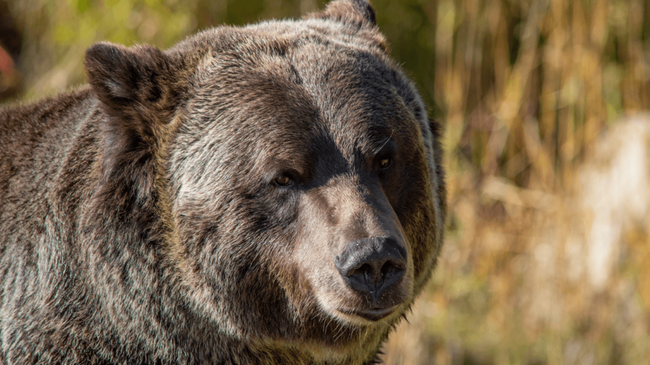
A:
<point x="268" y="194"/>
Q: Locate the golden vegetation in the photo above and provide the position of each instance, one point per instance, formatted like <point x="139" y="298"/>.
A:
<point x="534" y="271"/>
<point x="543" y="262"/>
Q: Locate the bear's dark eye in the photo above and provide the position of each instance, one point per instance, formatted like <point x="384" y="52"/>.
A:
<point x="283" y="180"/>
<point x="385" y="162"/>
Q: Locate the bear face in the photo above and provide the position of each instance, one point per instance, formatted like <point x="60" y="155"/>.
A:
<point x="300" y="171"/>
<point x="264" y="194"/>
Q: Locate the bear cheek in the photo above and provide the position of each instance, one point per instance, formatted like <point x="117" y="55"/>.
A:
<point x="313" y="257"/>
<point x="421" y="228"/>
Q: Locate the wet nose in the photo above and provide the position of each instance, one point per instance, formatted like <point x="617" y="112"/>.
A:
<point x="371" y="265"/>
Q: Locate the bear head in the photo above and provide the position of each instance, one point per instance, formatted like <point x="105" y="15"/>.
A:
<point x="295" y="171"/>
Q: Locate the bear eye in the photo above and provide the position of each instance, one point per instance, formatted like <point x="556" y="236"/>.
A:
<point x="283" y="180"/>
<point x="385" y="162"/>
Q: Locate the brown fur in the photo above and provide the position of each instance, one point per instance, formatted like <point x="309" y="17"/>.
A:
<point x="142" y="224"/>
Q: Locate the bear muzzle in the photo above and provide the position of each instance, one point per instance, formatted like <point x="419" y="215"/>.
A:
<point x="374" y="269"/>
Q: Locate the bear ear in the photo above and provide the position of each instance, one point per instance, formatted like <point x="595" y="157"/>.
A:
<point x="132" y="83"/>
<point x="354" y="12"/>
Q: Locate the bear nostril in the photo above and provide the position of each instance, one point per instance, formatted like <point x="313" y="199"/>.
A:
<point x="386" y="268"/>
<point x="365" y="271"/>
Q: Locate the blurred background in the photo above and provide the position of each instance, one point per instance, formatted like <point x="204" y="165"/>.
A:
<point x="547" y="256"/>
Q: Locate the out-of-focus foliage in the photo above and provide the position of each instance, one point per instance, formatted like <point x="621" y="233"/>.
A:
<point x="525" y="88"/>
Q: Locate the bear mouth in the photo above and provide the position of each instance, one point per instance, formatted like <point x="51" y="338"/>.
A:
<point x="373" y="315"/>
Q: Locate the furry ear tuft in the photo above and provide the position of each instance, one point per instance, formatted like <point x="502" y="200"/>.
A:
<point x="129" y="81"/>
<point x="354" y="12"/>
<point x="138" y="90"/>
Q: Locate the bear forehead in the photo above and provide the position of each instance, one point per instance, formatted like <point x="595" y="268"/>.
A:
<point x="286" y="91"/>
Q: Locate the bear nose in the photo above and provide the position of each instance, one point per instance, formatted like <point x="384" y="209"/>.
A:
<point x="371" y="265"/>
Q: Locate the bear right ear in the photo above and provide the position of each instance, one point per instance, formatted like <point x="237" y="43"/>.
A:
<point x="354" y="12"/>
<point x="134" y="84"/>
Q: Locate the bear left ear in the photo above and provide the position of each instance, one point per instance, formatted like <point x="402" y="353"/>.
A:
<point x="356" y="12"/>
<point x="133" y="83"/>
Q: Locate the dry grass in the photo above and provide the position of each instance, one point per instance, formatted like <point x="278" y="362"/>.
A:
<point x="547" y="258"/>
<point x="545" y="262"/>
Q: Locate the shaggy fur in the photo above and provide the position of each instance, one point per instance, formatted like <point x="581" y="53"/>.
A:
<point x="189" y="205"/>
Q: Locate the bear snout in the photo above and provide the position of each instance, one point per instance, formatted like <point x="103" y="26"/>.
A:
<point x="373" y="268"/>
